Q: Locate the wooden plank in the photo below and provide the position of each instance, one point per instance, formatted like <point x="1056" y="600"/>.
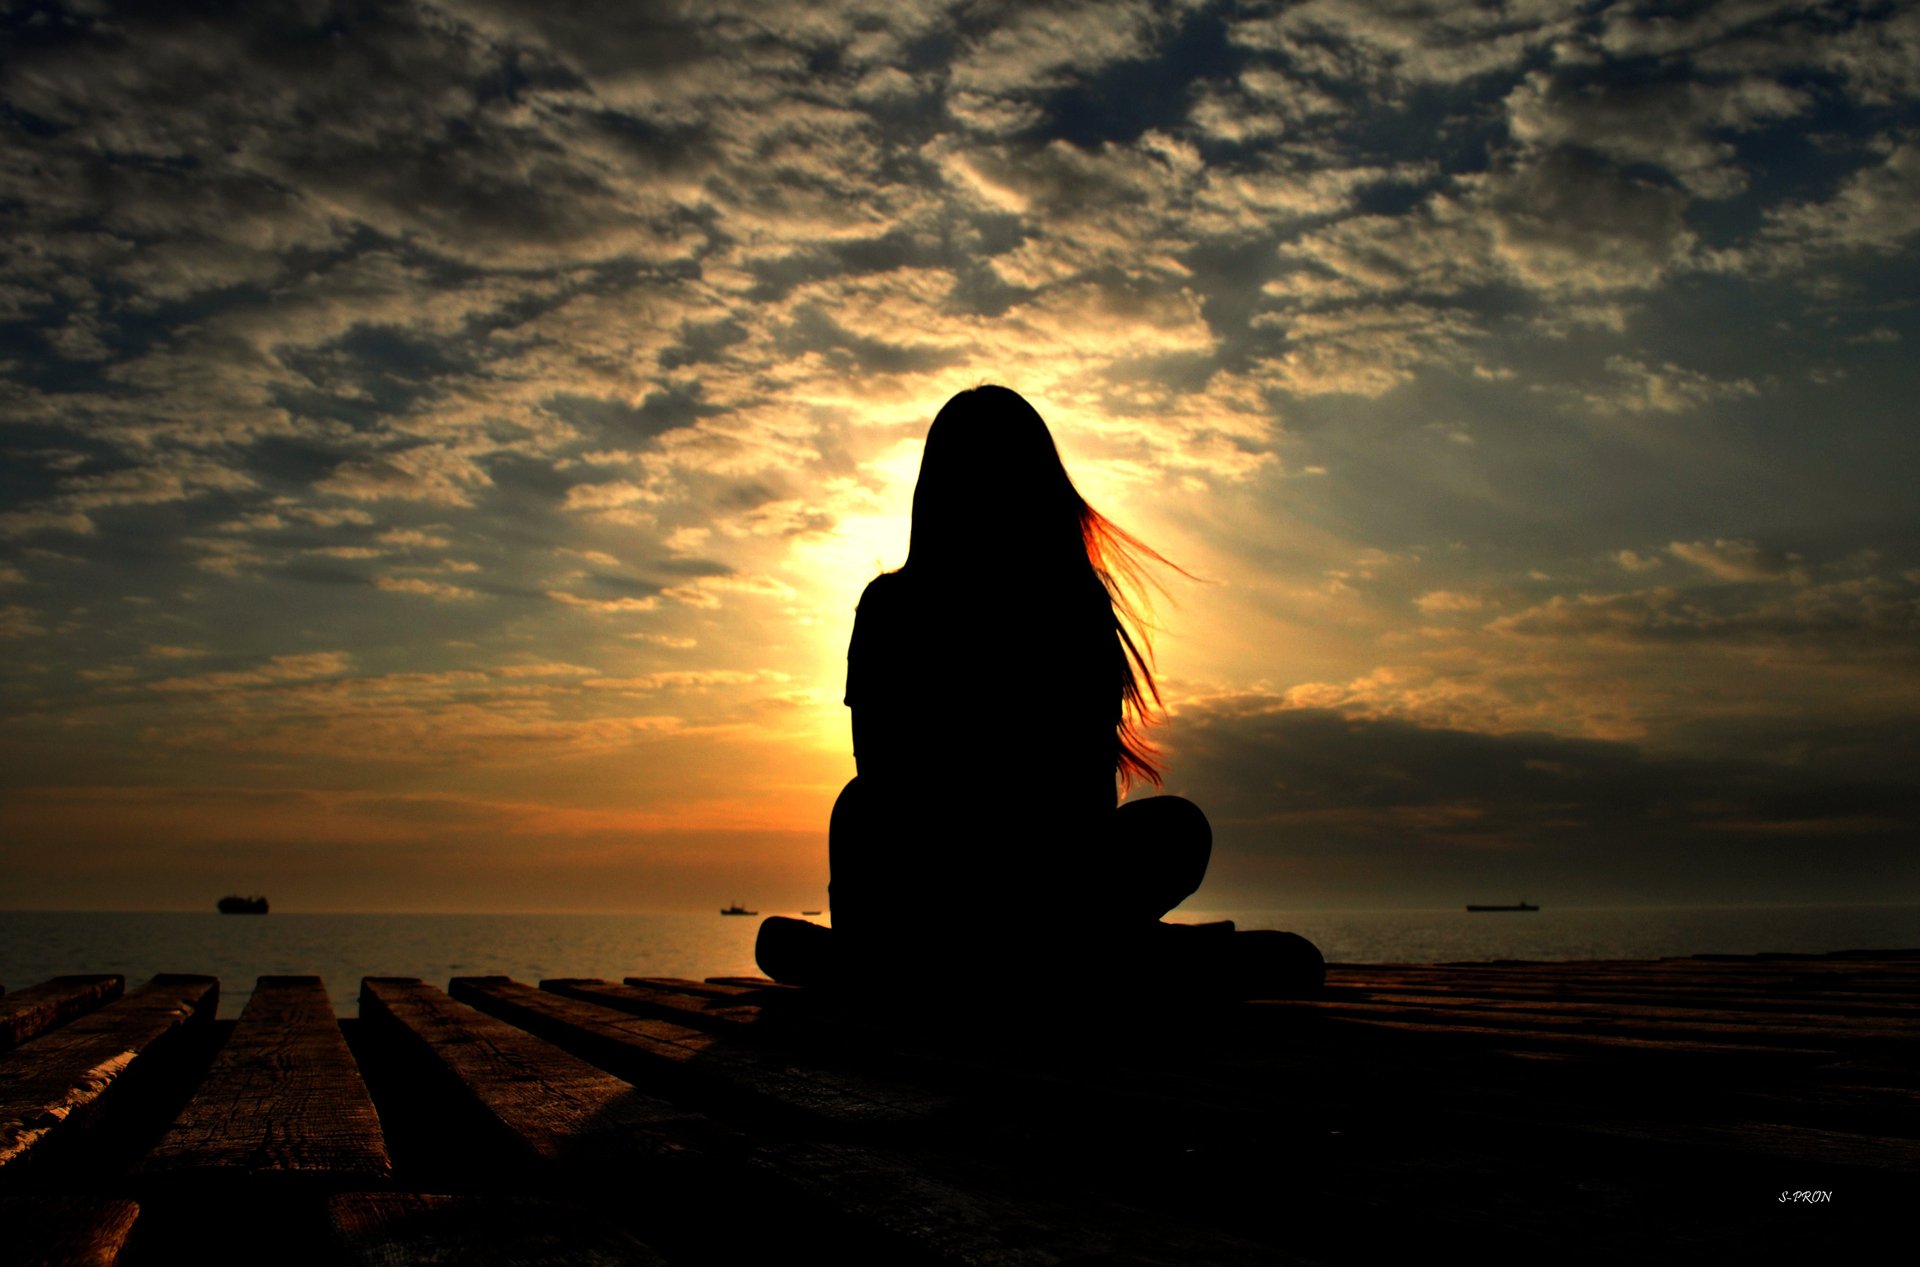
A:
<point x="942" y="1207"/>
<point x="1545" y="1037"/>
<point x="1832" y="988"/>
<point x="65" y="1230"/>
<point x="1000" y="1101"/>
<point x="1757" y="1003"/>
<point x="1625" y="1022"/>
<point x="1820" y="978"/>
<point x="1799" y="1144"/>
<point x="1833" y="996"/>
<point x="28" y="1012"/>
<point x="57" y="1083"/>
<point x="1639" y="1125"/>
<point x="1794" y="974"/>
<point x="721" y="1015"/>
<point x="283" y="1102"/>
<point x="647" y="1050"/>
<point x="721" y="990"/>
<point x="715" y="987"/>
<point x="1470" y="1084"/>
<point x="1521" y="1102"/>
<point x="392" y="1229"/>
<point x="541" y="1103"/>
<point x="876" y="1206"/>
<point x="1796" y="1119"/>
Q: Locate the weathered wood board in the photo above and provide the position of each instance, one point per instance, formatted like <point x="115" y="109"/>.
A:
<point x="58" y="1082"/>
<point x="543" y="1103"/>
<point x="396" y="1229"/>
<point x="654" y="1052"/>
<point x="28" y="1012"/>
<point x="1760" y="1108"/>
<point x="61" y="1230"/>
<point x="283" y="1102"/>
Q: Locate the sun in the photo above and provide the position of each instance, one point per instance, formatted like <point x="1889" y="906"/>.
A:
<point x="829" y="570"/>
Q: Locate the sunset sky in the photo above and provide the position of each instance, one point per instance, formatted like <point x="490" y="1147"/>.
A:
<point x="444" y="443"/>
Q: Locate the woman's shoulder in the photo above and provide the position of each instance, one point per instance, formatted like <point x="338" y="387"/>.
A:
<point x="889" y="589"/>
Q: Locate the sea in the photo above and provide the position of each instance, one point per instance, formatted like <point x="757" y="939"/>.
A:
<point x="341" y="949"/>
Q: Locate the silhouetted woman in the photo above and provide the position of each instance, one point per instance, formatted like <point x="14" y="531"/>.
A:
<point x="1000" y="684"/>
<point x="999" y="698"/>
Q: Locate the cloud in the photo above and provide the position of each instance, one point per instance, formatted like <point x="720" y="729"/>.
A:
<point x="665" y="640"/>
<point x="300" y="667"/>
<point x="1262" y="102"/>
<point x="1434" y="250"/>
<point x="426" y="473"/>
<point x="429" y="589"/>
<point x="1443" y="602"/>
<point x="1563" y="222"/>
<point x="1651" y="613"/>
<point x="614" y="332"/>
<point x="1044" y="46"/>
<point x="1876" y="209"/>
<point x="606" y="606"/>
<point x="1853" y="617"/>
<point x="545" y="669"/>
<point x="227" y="558"/>
<point x="27" y="523"/>
<point x="1367" y="351"/>
<point x="1739" y="560"/>
<point x="1332" y="798"/>
<point x="1631" y="32"/>
<point x="1633" y="561"/>
<point x="17" y="621"/>
<point x="1394" y="47"/>
<point x="1638" y="388"/>
<point x="685" y="680"/>
<point x="606" y="495"/>
<point x="1679" y="126"/>
<point x="414" y="537"/>
<point x="1552" y="222"/>
<point x="1877" y="58"/>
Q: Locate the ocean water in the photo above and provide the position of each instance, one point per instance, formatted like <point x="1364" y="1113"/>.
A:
<point x="35" y="945"/>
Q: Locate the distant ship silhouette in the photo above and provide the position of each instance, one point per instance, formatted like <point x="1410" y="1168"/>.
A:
<point x="737" y="909"/>
<point x="234" y="904"/>
<point x="1521" y="905"/>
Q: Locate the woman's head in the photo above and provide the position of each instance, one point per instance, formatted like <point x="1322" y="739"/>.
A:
<point x="992" y="488"/>
<point x="994" y="504"/>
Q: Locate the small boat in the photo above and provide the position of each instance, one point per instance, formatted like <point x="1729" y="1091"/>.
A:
<point x="1521" y="905"/>
<point x="737" y="909"/>
<point x="809" y="912"/>
<point x="234" y="904"/>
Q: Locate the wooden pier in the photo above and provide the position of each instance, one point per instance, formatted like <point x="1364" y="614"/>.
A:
<point x="1696" y="1109"/>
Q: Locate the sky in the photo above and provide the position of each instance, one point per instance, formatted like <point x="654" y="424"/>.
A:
<point x="444" y="443"/>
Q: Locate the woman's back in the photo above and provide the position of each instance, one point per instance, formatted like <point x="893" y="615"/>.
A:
<point x="943" y="692"/>
<point x="1020" y="702"/>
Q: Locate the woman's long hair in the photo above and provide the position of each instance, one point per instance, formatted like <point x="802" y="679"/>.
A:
<point x="994" y="501"/>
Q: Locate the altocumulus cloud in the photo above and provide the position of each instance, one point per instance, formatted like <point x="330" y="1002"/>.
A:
<point x="1515" y="369"/>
